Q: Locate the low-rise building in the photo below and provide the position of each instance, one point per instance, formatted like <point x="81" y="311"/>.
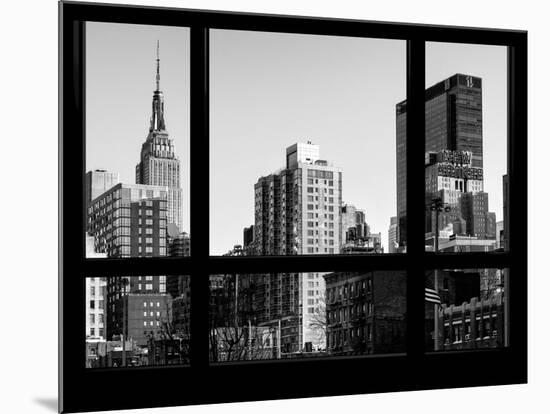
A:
<point x="473" y="324"/>
<point x="365" y="312"/>
<point x="139" y="316"/>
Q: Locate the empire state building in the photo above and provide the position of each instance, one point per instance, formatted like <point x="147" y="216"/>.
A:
<point x="159" y="164"/>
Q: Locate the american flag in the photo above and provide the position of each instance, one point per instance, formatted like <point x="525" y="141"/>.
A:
<point x="431" y="295"/>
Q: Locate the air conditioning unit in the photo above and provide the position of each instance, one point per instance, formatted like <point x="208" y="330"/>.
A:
<point x="467" y="337"/>
<point x="495" y="333"/>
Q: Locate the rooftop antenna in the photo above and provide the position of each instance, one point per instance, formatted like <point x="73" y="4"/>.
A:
<point x="158" y="65"/>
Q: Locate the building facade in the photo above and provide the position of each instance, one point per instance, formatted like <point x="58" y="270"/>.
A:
<point x="392" y="236"/>
<point x="179" y="245"/>
<point x="129" y="220"/>
<point x="473" y="324"/>
<point x="96" y="296"/>
<point x="354" y="225"/>
<point x="248" y="240"/>
<point x="140" y="316"/>
<point x="365" y="312"/>
<point x="298" y="211"/>
<point x="98" y="182"/>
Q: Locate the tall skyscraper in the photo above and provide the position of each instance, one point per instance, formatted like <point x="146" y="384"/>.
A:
<point x="454" y="158"/>
<point x="298" y="211"/>
<point x="159" y="164"/>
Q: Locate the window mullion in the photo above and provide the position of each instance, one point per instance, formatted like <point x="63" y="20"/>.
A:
<point x="414" y="227"/>
<point x="517" y="199"/>
<point x="199" y="159"/>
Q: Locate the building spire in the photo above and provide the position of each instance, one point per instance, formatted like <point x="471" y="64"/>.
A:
<point x="157" y="118"/>
<point x="158" y="65"/>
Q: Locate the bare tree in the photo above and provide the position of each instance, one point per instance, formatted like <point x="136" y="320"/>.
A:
<point x="318" y="320"/>
<point x="233" y="334"/>
<point x="174" y="332"/>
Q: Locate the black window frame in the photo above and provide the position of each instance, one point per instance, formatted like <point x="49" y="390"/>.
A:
<point x="261" y="380"/>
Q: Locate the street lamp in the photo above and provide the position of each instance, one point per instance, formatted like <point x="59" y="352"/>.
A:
<point x="438" y="206"/>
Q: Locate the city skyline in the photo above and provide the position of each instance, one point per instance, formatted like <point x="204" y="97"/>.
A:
<point x="368" y="177"/>
<point x="299" y="208"/>
<point x="270" y="91"/>
<point x="229" y="219"/>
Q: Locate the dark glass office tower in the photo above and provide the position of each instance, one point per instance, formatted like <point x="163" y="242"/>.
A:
<point x="454" y="146"/>
<point x="453" y="117"/>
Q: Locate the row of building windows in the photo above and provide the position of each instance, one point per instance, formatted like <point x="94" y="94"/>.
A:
<point x="100" y="304"/>
<point x="343" y="337"/>
<point x="151" y="304"/>
<point x="316" y="250"/>
<point x="100" y="291"/>
<point x="460" y="332"/>
<point x="316" y="223"/>
<point x="344" y="314"/>
<point x="151" y="314"/>
<point x="101" y="332"/>
<point x="320" y="174"/>
<point x="330" y="242"/>
<point x="100" y="318"/>
<point x="349" y="290"/>
<point x="149" y="250"/>
<point x="316" y="198"/>
<point x="312" y="190"/>
<point x="317" y="207"/>
<point x="312" y="181"/>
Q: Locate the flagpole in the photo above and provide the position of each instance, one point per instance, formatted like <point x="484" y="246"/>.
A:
<point x="437" y="205"/>
<point x="436" y="284"/>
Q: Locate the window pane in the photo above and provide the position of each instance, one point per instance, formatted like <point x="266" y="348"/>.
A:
<point x="466" y="150"/>
<point x="126" y="333"/>
<point x="137" y="140"/>
<point x="471" y="307"/>
<point x="302" y="315"/>
<point x="302" y="131"/>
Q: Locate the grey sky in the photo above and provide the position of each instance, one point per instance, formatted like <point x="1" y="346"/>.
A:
<point x="269" y="91"/>
<point x="120" y="79"/>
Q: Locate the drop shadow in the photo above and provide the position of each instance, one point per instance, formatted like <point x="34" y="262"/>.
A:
<point x="49" y="403"/>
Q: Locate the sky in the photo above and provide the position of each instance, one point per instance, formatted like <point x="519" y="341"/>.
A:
<point x="267" y="92"/>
